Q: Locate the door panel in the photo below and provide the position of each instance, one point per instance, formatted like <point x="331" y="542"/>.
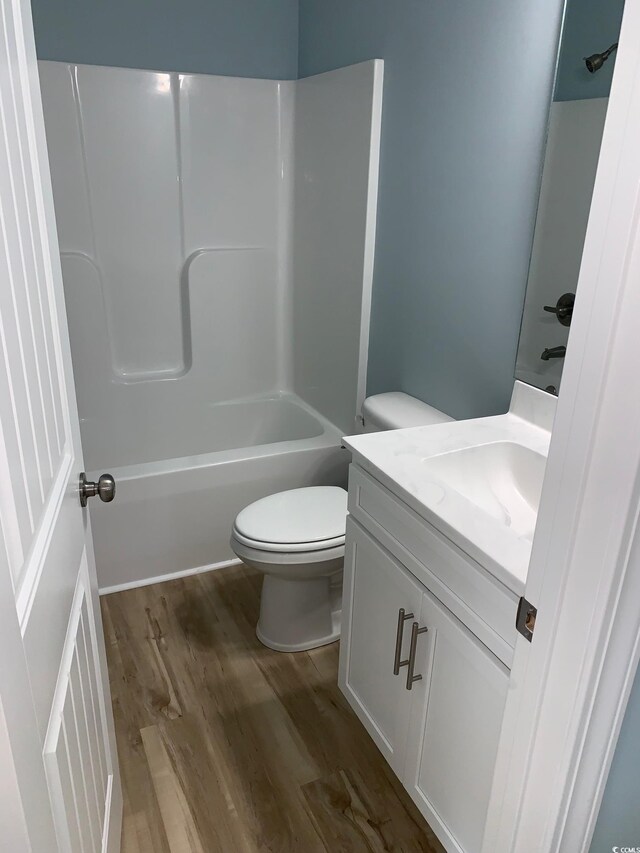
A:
<point x="455" y="727"/>
<point x="75" y="750"/>
<point x="53" y="687"/>
<point x="45" y="616"/>
<point x="32" y="392"/>
<point x="375" y="588"/>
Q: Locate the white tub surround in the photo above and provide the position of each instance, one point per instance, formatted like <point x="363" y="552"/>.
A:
<point x="203" y="260"/>
<point x="437" y="548"/>
<point x="337" y="121"/>
<point x="432" y="469"/>
<point x="217" y="290"/>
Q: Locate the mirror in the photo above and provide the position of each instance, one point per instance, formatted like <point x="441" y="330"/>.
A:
<point x="576" y="122"/>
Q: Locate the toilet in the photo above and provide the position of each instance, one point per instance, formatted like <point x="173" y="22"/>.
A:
<point x="296" y="539"/>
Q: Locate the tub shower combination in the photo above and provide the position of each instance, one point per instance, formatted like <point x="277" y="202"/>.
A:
<point x="217" y="241"/>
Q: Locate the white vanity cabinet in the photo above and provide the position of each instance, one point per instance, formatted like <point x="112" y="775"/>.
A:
<point x="453" y="736"/>
<point x="380" y="588"/>
<point x="440" y="733"/>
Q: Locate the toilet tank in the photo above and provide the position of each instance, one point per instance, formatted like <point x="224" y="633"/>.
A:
<point x="396" y="410"/>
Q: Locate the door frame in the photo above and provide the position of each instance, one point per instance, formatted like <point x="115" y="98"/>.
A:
<point x="569" y="687"/>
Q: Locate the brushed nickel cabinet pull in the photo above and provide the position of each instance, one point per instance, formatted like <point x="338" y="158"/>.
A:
<point x="402" y="618"/>
<point x="415" y="633"/>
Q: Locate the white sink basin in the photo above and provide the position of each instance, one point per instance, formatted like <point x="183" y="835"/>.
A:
<point x="504" y="479"/>
<point x="477" y="481"/>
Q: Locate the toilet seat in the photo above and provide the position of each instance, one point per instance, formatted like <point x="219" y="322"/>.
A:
<point x="292" y="548"/>
<point x="302" y="564"/>
<point x="294" y="521"/>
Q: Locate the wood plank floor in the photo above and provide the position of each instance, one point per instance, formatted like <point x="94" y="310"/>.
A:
<point x="227" y="746"/>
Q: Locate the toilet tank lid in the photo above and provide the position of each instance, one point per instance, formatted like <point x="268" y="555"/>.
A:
<point x="396" y="410"/>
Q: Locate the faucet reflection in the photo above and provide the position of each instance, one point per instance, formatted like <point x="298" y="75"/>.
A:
<point x="553" y="352"/>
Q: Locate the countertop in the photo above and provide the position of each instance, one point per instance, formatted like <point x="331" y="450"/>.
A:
<point x="395" y="458"/>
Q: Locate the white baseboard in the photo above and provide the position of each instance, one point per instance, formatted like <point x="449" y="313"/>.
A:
<point x="212" y="567"/>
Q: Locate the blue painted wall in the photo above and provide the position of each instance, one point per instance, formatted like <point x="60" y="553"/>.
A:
<point x="245" y="38"/>
<point x="619" y="818"/>
<point x="591" y="26"/>
<point x="466" y="97"/>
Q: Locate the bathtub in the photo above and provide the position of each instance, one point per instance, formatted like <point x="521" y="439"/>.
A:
<point x="175" y="504"/>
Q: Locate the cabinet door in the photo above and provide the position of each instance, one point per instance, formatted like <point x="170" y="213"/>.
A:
<point x="455" y="726"/>
<point x="376" y="587"/>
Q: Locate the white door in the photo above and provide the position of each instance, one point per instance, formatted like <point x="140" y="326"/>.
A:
<point x="455" y="727"/>
<point x="60" y="788"/>
<point x="380" y="602"/>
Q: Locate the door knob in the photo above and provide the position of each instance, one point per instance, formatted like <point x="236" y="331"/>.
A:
<point x="105" y="488"/>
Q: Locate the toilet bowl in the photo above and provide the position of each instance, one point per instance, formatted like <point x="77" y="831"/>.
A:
<point x="296" y="539"/>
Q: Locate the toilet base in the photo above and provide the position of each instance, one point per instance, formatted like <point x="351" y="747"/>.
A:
<point x="297" y="615"/>
<point x="305" y="646"/>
